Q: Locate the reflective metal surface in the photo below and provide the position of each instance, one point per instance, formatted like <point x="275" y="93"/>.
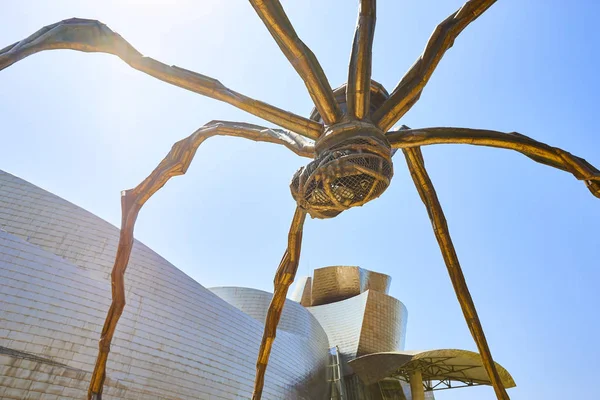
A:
<point x="335" y="283"/>
<point x="359" y="72"/>
<point x="443" y="365"/>
<point x="409" y="89"/>
<point x="416" y="166"/>
<point x="175" y="340"/>
<point x="303" y="291"/>
<point x="537" y="151"/>
<point x="348" y="173"/>
<point x="351" y="149"/>
<point x="300" y="56"/>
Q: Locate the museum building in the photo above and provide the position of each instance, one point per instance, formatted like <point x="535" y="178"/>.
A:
<point x="341" y="336"/>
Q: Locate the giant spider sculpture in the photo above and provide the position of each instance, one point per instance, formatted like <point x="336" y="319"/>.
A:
<point x="347" y="137"/>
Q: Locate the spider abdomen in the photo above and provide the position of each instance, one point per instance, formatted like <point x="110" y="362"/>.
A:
<point x="347" y="175"/>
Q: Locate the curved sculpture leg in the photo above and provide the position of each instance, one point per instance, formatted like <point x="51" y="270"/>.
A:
<point x="93" y="36"/>
<point x="283" y="279"/>
<point x="358" y="91"/>
<point x="175" y="163"/>
<point x="416" y="165"/>
<point x="300" y="56"/>
<point x="407" y="92"/>
<point x="129" y="209"/>
<point x="537" y="151"/>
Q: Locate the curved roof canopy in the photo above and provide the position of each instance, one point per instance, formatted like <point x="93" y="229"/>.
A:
<point x="441" y="369"/>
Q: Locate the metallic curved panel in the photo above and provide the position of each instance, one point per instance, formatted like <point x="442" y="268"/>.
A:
<point x="176" y="339"/>
<point x="384" y="324"/>
<point x="343" y="322"/>
<point x="294" y="319"/>
<point x="336" y="283"/>
<point x="375" y="281"/>
<point x="303" y="291"/>
<point x="331" y="284"/>
<point x="435" y="365"/>
<point x="367" y="323"/>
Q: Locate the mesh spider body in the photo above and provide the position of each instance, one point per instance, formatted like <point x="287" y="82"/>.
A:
<point x="352" y="165"/>
<point x="348" y="137"/>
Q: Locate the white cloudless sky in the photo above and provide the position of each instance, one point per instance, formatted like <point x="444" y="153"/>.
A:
<point x="86" y="126"/>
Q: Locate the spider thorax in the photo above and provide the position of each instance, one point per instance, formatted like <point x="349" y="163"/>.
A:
<point x="352" y="166"/>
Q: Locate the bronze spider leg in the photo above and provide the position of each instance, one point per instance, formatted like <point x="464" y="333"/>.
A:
<point x="537" y="151"/>
<point x="410" y="141"/>
<point x="416" y="165"/>
<point x="408" y="91"/>
<point x="300" y="56"/>
<point x="93" y="36"/>
<point x="358" y="91"/>
<point x="284" y="277"/>
<point x="175" y="163"/>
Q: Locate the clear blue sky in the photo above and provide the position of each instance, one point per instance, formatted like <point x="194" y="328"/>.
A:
<point x="85" y="126"/>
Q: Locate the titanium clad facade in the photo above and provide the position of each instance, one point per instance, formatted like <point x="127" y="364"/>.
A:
<point x="360" y="318"/>
<point x="175" y="340"/>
